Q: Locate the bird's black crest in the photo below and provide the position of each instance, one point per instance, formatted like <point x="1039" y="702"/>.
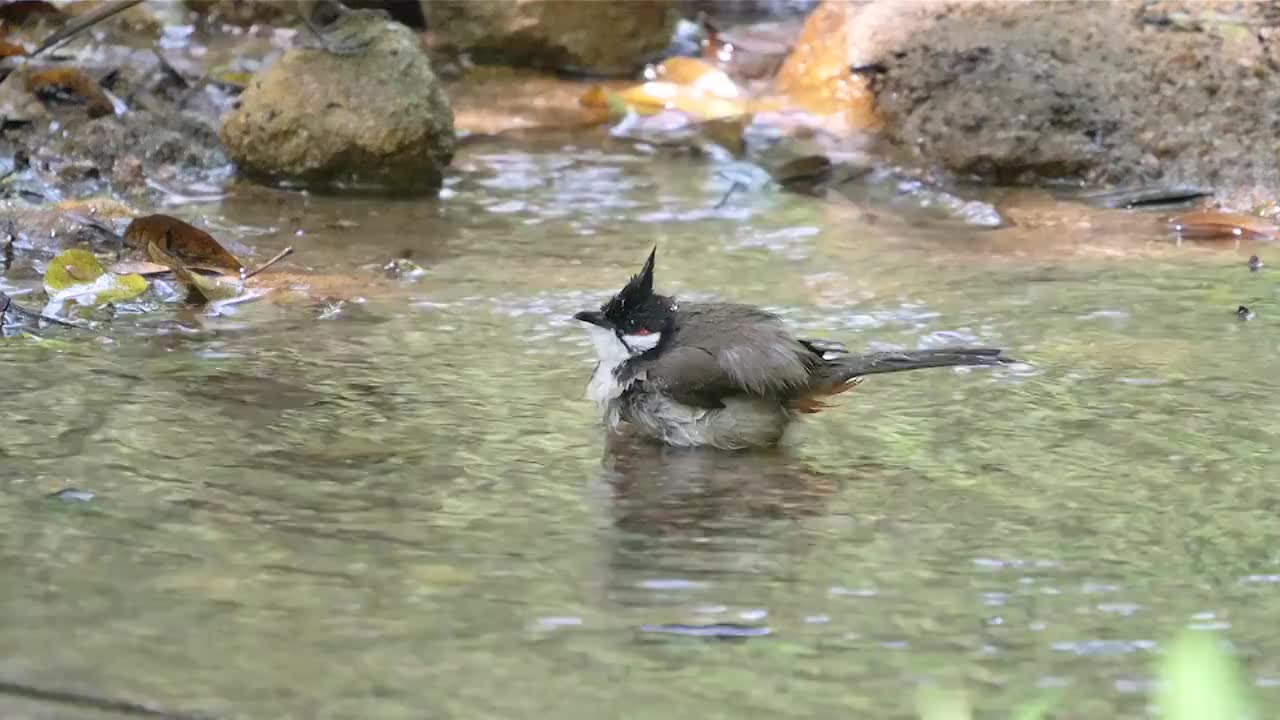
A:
<point x="637" y="307"/>
<point x="636" y="293"/>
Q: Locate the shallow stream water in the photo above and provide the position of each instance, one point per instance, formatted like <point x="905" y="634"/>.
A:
<point x="391" y="500"/>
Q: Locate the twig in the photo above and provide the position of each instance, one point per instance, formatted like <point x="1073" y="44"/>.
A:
<point x="67" y="697"/>
<point x="169" y="69"/>
<point x="278" y="257"/>
<point x="89" y="20"/>
<point x="10" y="235"/>
<point x="735" y="187"/>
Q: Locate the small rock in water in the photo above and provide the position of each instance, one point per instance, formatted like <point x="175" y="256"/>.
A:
<point x="73" y="495"/>
<point x="1255" y="264"/>
<point x="715" y="630"/>
<point x="403" y="269"/>
<point x="1244" y="313"/>
<point x="981" y="214"/>
<point x="376" y="118"/>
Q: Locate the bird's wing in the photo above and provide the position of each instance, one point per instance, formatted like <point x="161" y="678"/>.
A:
<point x="727" y="350"/>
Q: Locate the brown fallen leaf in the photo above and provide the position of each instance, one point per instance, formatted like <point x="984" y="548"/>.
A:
<point x="52" y="82"/>
<point x="20" y="11"/>
<point x="1212" y="225"/>
<point x="184" y="243"/>
<point x="11" y="49"/>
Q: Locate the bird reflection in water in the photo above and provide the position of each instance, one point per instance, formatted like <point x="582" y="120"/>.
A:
<point x="651" y="488"/>
<point x="684" y="528"/>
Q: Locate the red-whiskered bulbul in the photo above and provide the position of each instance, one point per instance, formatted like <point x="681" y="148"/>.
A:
<point x="724" y="375"/>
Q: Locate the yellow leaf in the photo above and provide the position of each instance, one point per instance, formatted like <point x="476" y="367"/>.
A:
<point x="73" y="267"/>
<point x="698" y="75"/>
<point x="78" y="276"/>
<point x="660" y="95"/>
<point x="211" y="288"/>
<point x="686" y="84"/>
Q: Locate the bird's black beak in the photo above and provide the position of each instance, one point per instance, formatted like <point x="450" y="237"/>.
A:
<point x="594" y="317"/>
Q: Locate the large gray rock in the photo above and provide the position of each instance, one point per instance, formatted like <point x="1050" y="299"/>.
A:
<point x="596" y="37"/>
<point x="375" y="118"/>
<point x="1122" y="92"/>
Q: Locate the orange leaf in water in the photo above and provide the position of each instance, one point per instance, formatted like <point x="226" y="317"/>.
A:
<point x="1211" y="225"/>
<point x="691" y="86"/>
<point x="652" y="97"/>
<point x="699" y="75"/>
<point x="595" y="97"/>
<point x="189" y="245"/>
<point x="51" y="82"/>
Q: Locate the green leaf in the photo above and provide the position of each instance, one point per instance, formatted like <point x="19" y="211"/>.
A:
<point x="76" y="275"/>
<point x="1035" y="710"/>
<point x="1200" y="682"/>
<point x="616" y="105"/>
<point x="934" y="703"/>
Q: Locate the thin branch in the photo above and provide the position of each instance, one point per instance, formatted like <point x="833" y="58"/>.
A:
<point x="87" y="21"/>
<point x="278" y="257"/>
<point x="67" y="697"/>
<point x="735" y="187"/>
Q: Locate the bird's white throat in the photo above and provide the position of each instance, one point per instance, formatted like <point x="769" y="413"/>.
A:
<point x="612" y="353"/>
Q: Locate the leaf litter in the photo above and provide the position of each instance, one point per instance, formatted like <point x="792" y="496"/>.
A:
<point x="170" y="248"/>
<point x="180" y="243"/>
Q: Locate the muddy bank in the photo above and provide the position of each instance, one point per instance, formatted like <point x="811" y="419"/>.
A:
<point x="1120" y="93"/>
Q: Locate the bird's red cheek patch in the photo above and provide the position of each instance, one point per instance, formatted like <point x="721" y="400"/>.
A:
<point x="641" y="332"/>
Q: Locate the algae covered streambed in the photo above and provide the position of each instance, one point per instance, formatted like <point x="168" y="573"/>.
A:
<point x="389" y="499"/>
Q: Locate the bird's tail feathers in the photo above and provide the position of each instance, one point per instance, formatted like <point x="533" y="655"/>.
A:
<point x="846" y="368"/>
